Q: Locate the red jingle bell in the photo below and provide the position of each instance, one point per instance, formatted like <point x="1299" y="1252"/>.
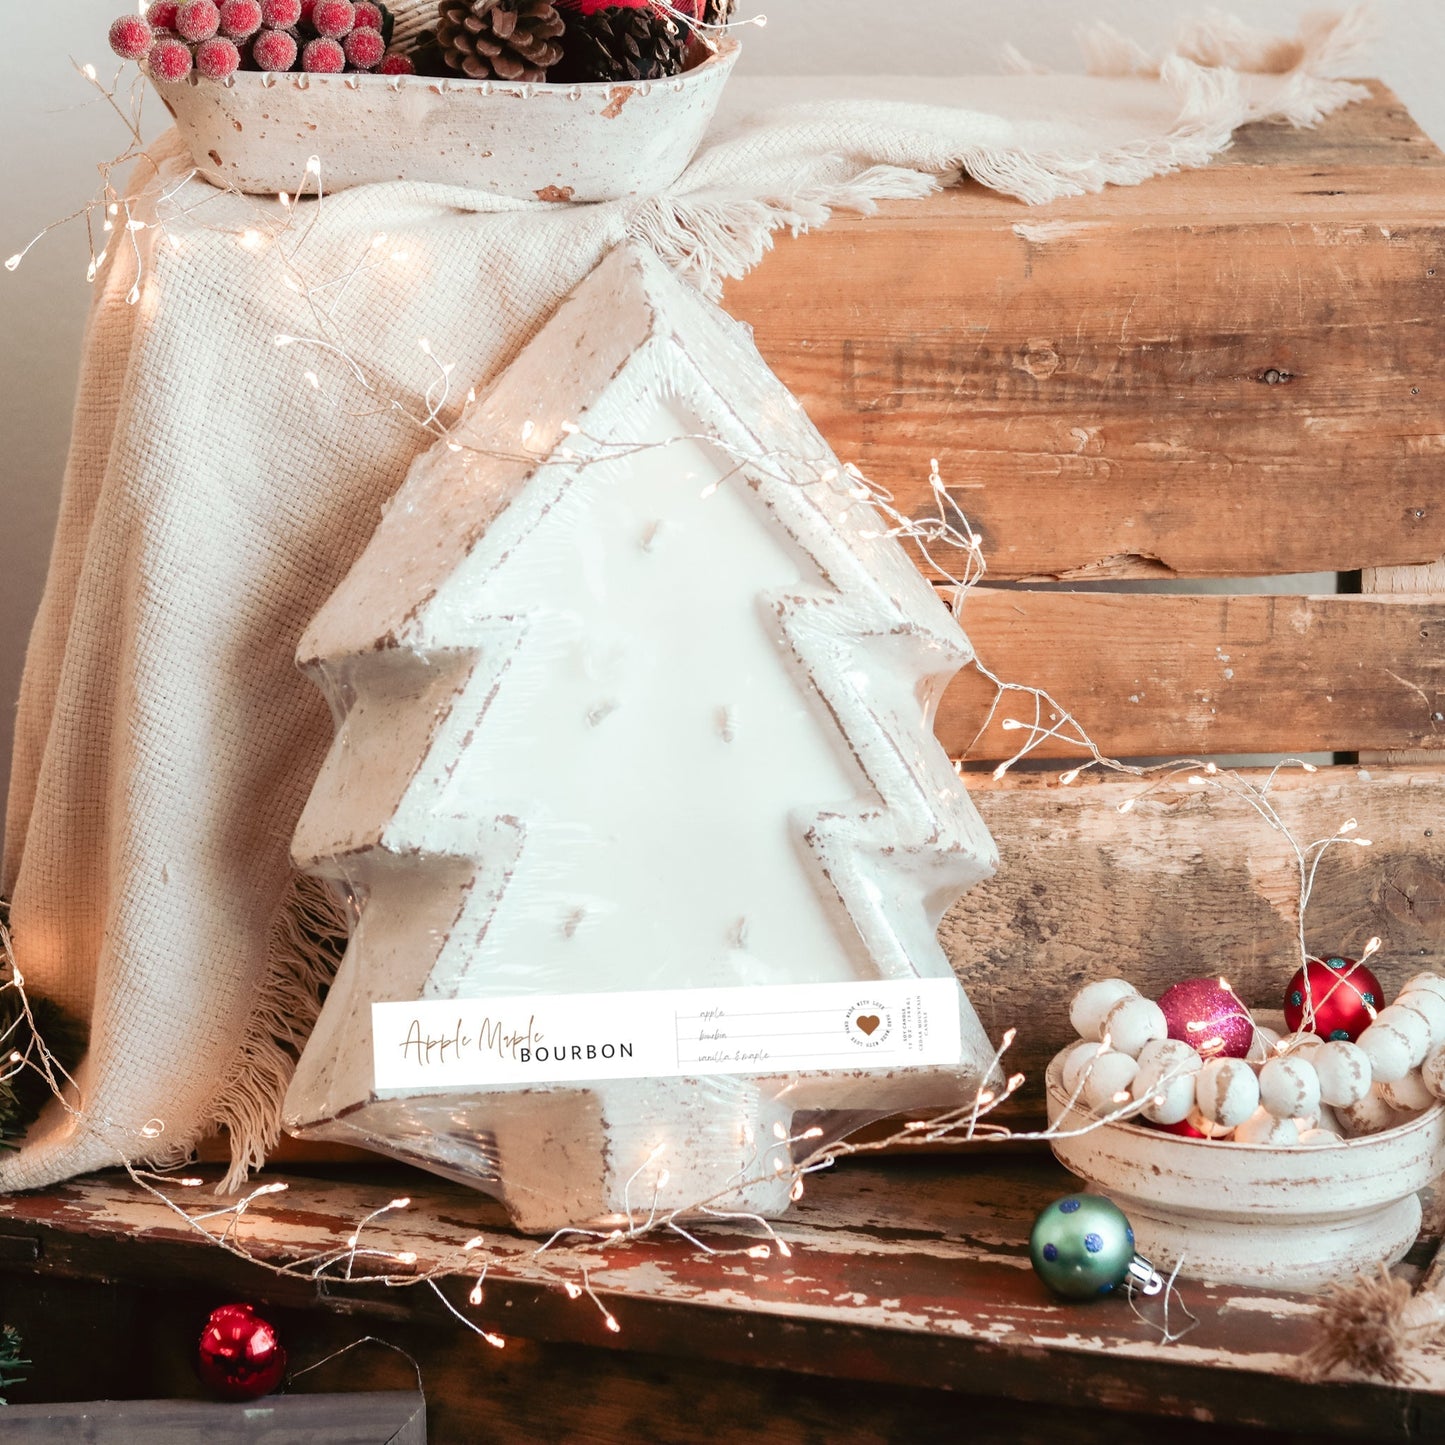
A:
<point x="240" y="1356"/>
<point x="1336" y="998"/>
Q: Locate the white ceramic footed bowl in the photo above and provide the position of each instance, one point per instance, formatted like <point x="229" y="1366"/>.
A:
<point x="601" y="142"/>
<point x="1253" y="1214"/>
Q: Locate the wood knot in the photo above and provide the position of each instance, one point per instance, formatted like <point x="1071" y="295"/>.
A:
<point x="1275" y="376"/>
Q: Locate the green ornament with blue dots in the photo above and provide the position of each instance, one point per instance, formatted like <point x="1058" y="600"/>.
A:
<point x="1082" y="1247"/>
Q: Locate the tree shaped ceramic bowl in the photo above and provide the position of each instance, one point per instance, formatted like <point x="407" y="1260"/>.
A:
<point x="256" y="131"/>
<point x="1298" y="1218"/>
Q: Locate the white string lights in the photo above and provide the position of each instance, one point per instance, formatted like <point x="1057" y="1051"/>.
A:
<point x="276" y="235"/>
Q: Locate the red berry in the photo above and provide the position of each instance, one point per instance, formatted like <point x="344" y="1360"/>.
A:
<point x="332" y="19"/>
<point x="217" y="58"/>
<point x="368" y="16"/>
<point x="197" y="20"/>
<point x="280" y="14"/>
<point x="240" y="19"/>
<point x="170" y="59"/>
<point x="162" y="14"/>
<point x="323" y="57"/>
<point x="364" y="49"/>
<point x="397" y="64"/>
<point x="274" y="50"/>
<point x="307" y="6"/>
<point x="131" y="38"/>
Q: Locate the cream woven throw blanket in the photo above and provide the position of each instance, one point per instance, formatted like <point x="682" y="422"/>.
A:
<point x="214" y="497"/>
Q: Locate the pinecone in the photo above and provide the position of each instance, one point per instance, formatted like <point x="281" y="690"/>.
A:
<point x="718" y="12"/>
<point x="505" y="39"/>
<point x="620" y="43"/>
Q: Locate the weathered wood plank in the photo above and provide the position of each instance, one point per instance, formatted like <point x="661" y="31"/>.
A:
<point x="1190" y="882"/>
<point x="383" y="1418"/>
<point x="539" y="1392"/>
<point x="908" y="1272"/>
<point x="1374" y="581"/>
<point x="1165" y="380"/>
<point x="1171" y="676"/>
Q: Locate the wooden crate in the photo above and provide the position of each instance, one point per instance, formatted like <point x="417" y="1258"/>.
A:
<point x="1224" y="374"/>
<point x="1230" y="373"/>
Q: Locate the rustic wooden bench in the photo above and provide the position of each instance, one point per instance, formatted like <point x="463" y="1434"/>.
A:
<point x="1230" y="373"/>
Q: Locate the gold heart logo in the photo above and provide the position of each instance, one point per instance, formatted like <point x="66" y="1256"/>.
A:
<point x="868" y="1022"/>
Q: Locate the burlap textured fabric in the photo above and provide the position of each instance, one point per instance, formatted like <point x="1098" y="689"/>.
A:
<point x="214" y="498"/>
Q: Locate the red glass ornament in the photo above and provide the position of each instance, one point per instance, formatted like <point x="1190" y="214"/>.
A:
<point x="1206" y="1014"/>
<point x="240" y="1356"/>
<point x="1183" y="1128"/>
<point x="1336" y="998"/>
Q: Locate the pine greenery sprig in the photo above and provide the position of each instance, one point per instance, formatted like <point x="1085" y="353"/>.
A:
<point x="25" y="1085"/>
<point x="14" y="1368"/>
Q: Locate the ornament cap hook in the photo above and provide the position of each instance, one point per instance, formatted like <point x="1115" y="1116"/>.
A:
<point x="1142" y="1275"/>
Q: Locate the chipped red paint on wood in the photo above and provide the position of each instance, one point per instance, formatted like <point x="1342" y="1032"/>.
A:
<point x="907" y="1272"/>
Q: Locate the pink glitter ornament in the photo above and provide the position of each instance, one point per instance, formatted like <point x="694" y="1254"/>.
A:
<point x="197" y="20"/>
<point x="274" y="50"/>
<point x="217" y="58"/>
<point x="131" y="38"/>
<point x="280" y="14"/>
<point x="170" y="60"/>
<point x="323" y="57"/>
<point x="1205" y="1014"/>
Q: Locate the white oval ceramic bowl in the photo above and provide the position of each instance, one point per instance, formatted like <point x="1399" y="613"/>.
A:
<point x="602" y="142"/>
<point x="1252" y="1214"/>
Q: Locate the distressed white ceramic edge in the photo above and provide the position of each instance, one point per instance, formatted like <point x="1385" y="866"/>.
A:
<point x="585" y="142"/>
<point x="1222" y="1180"/>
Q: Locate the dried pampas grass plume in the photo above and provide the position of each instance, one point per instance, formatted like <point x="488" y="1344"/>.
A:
<point x="1367" y="1326"/>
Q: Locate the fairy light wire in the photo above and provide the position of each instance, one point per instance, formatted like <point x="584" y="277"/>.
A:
<point x="284" y="238"/>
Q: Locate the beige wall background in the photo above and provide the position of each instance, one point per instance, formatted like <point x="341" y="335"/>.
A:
<point x="56" y="132"/>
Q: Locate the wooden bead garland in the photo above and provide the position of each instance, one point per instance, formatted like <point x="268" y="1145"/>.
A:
<point x="1295" y="1089"/>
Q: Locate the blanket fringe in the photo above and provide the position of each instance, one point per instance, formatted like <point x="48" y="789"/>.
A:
<point x="711" y="237"/>
<point x="307" y="941"/>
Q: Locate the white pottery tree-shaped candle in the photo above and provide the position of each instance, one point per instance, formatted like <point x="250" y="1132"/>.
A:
<point x="632" y="694"/>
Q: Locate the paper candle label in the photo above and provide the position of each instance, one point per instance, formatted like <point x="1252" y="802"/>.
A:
<point x="557" y="1038"/>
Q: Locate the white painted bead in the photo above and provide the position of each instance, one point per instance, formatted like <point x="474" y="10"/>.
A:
<point x="1132" y="1022"/>
<point x="1111" y="1075"/>
<point x="1321" y="1136"/>
<point x="1227" y="1091"/>
<point x="1157" y="1061"/>
<point x="1431" y="1007"/>
<point x="1412" y="1025"/>
<point x="1175" y="1050"/>
<point x="1094" y="1000"/>
<point x="1262" y="1045"/>
<point x="1328" y="1120"/>
<point x="1076" y="1061"/>
<point x="1388" y="1050"/>
<point x="1433" y="1073"/>
<point x="1263" y="1128"/>
<point x="1170" y="1098"/>
<point x="1299" y="1045"/>
<point x="1410" y="1095"/>
<point x="1425" y="983"/>
<point x="1206" y="1127"/>
<point x="1344" y="1072"/>
<point x="1370" y="1115"/>
<point x="1289" y="1088"/>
